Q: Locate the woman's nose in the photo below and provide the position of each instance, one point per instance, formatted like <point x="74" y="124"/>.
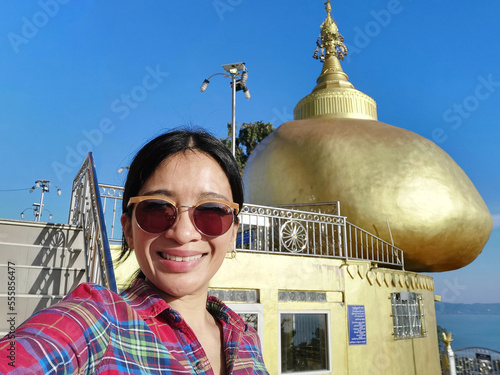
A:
<point x="183" y="230"/>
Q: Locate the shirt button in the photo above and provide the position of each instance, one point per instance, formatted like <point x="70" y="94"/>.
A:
<point x="199" y="365"/>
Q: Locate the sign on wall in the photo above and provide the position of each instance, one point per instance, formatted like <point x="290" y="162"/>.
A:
<point x="357" y="324"/>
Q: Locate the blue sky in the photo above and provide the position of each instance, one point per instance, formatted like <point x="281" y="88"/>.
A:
<point x="107" y="76"/>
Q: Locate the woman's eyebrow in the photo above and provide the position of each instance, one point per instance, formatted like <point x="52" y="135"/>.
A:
<point x="202" y="196"/>
<point x="210" y="194"/>
<point x="164" y="192"/>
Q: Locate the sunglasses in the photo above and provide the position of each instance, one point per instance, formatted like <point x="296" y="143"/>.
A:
<point x="156" y="214"/>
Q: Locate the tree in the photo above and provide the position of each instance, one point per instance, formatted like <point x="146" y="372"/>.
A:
<point x="248" y="137"/>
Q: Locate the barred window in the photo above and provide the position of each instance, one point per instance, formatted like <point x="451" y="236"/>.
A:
<point x="304" y="342"/>
<point x="408" y="315"/>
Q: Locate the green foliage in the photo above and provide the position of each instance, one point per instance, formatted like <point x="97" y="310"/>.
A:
<point x="247" y="139"/>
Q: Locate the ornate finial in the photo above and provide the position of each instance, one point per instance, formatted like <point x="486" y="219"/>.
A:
<point x="447" y="340"/>
<point x="328" y="7"/>
<point x="330" y="42"/>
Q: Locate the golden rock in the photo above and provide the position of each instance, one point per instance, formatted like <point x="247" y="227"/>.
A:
<point x="383" y="176"/>
<point x="388" y="180"/>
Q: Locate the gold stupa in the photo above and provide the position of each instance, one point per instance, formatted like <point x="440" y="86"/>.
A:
<point x="388" y="180"/>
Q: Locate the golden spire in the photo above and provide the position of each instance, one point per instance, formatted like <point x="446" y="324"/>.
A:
<point x="334" y="96"/>
<point x="330" y="41"/>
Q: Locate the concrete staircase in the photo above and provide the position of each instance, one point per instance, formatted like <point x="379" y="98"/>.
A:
<point x="39" y="264"/>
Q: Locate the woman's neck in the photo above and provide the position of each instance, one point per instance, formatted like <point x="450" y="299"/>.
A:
<point x="208" y="330"/>
<point x="192" y="308"/>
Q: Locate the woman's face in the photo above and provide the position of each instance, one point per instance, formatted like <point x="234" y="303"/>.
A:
<point x="181" y="261"/>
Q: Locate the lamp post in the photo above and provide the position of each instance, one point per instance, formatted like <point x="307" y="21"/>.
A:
<point x="36" y="211"/>
<point x="45" y="186"/>
<point x="121" y="169"/>
<point x="239" y="75"/>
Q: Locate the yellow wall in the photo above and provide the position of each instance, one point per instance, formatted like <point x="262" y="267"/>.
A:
<point x="351" y="283"/>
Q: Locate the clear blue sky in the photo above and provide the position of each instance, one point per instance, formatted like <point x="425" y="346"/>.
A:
<point x="112" y="74"/>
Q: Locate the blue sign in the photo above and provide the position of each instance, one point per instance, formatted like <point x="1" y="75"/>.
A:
<point x="357" y="324"/>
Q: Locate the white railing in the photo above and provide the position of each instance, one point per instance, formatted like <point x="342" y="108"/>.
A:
<point x="86" y="212"/>
<point x="470" y="361"/>
<point x="111" y="197"/>
<point x="291" y="230"/>
<point x="364" y="245"/>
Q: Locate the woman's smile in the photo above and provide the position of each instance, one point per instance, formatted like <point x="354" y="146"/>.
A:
<point x="179" y="264"/>
<point x="179" y="258"/>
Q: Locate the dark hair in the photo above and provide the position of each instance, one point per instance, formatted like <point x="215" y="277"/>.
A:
<point x="155" y="151"/>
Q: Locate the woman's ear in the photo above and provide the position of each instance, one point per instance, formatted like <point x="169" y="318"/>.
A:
<point x="236" y="225"/>
<point x="127" y="230"/>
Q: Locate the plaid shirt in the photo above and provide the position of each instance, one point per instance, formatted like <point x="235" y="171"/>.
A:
<point x="95" y="331"/>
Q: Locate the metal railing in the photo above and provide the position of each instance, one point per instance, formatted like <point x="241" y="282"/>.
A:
<point x="111" y="197"/>
<point x="364" y="245"/>
<point x="477" y="361"/>
<point x="470" y="361"/>
<point x="86" y="212"/>
<point x="288" y="230"/>
<point x="281" y="230"/>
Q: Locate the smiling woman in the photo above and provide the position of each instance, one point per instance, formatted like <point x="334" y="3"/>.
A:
<point x="180" y="206"/>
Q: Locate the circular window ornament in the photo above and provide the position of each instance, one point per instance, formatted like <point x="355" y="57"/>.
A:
<point x="293" y="236"/>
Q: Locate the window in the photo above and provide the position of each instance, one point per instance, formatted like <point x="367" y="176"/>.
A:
<point x="304" y="342"/>
<point x="251" y="313"/>
<point x="407" y="315"/>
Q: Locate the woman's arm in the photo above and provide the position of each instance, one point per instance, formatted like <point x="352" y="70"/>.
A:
<point x="62" y="339"/>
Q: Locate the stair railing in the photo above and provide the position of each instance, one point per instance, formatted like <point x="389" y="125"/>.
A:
<point x="86" y="212"/>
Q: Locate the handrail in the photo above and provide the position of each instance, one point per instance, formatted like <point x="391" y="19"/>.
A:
<point x="477" y="360"/>
<point x="280" y="230"/>
<point x="361" y="244"/>
<point x="111" y="197"/>
<point x="86" y="212"/>
<point x="290" y="231"/>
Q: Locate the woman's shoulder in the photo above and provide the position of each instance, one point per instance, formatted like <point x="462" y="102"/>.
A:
<point x="90" y="291"/>
<point x="93" y="294"/>
<point x="87" y="301"/>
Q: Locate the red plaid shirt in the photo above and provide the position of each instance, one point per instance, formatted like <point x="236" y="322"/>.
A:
<point x="95" y="331"/>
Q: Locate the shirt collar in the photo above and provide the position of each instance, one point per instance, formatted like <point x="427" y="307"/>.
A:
<point x="146" y="301"/>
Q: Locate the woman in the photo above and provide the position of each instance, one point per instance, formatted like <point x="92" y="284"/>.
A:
<point x="181" y="198"/>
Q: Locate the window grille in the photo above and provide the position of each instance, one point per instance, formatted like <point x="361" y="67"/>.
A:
<point x="304" y="343"/>
<point x="408" y="315"/>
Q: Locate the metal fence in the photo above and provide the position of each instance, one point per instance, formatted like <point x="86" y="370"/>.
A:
<point x="291" y="230"/>
<point x="111" y="197"/>
<point x="86" y="212"/>
<point x="470" y="361"/>
<point x="364" y="245"/>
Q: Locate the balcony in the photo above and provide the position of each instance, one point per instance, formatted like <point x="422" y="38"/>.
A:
<point x="309" y="230"/>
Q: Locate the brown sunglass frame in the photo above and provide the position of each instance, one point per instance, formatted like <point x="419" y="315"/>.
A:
<point x="142" y="198"/>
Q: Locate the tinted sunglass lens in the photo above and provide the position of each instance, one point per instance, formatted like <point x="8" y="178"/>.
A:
<point x="213" y="219"/>
<point x="155" y="216"/>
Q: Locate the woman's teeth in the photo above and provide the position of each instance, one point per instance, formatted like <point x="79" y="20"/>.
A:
<point x="180" y="259"/>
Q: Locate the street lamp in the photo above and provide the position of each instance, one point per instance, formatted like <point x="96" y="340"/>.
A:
<point x="121" y="169"/>
<point x="233" y="71"/>
<point x="38" y="207"/>
<point x="36" y="211"/>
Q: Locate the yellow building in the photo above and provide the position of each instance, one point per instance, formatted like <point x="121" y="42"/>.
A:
<point x="325" y="296"/>
<point x="352" y="305"/>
